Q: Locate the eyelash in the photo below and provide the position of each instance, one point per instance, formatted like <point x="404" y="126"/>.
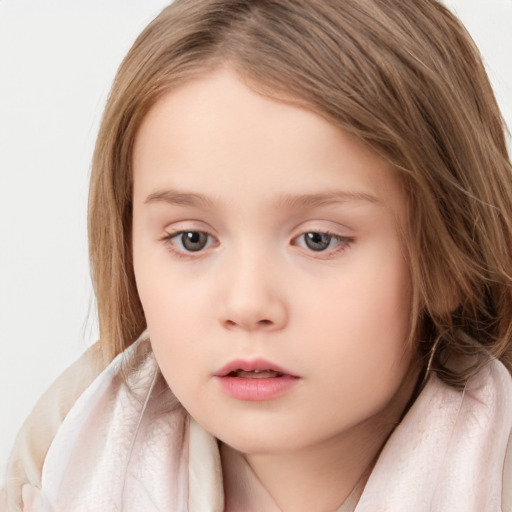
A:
<point x="343" y="243"/>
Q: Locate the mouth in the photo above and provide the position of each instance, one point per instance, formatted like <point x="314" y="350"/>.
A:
<point x="256" y="380"/>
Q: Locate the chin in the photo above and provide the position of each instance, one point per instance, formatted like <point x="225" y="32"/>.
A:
<point x="265" y="441"/>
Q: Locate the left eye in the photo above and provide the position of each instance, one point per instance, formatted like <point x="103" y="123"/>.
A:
<point x="318" y="241"/>
<point x="191" y="241"/>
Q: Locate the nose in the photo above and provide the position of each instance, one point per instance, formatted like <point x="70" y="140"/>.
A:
<point x="252" y="297"/>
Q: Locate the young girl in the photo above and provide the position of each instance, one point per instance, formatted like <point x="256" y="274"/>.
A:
<point x="302" y="213"/>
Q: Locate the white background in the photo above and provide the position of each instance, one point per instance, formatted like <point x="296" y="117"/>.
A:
<point x="57" y="60"/>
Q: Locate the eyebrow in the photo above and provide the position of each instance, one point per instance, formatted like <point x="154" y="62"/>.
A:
<point x="291" y="201"/>
<point x="179" y="198"/>
<point x="327" y="198"/>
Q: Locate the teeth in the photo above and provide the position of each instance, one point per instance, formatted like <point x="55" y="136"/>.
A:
<point x="257" y="374"/>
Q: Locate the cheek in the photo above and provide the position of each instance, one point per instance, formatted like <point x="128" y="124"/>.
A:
<point x="370" y="301"/>
<point x="172" y="313"/>
<point x="167" y="308"/>
<point x="175" y="336"/>
<point x="367" y="320"/>
<point x="169" y="298"/>
<point x="170" y="307"/>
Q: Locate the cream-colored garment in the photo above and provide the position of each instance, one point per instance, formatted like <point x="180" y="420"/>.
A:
<point x="448" y="454"/>
<point x="34" y="438"/>
<point x="133" y="448"/>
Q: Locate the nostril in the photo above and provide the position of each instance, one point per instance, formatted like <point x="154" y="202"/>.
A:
<point x="261" y="324"/>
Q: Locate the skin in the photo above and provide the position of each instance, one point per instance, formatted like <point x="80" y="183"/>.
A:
<point x="267" y="173"/>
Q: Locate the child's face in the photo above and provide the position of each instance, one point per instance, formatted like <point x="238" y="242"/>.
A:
<point x="266" y="238"/>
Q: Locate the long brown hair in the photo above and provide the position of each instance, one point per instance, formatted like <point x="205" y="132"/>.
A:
<point x="403" y="76"/>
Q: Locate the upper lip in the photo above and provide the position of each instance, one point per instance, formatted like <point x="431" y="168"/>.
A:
<point x="251" y="365"/>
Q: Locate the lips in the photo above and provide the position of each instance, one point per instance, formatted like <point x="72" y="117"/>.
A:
<point x="256" y="380"/>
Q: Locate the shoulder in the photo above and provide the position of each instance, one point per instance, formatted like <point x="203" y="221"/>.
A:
<point x="39" y="429"/>
<point x="507" y="479"/>
<point x="501" y="375"/>
<point x="496" y="389"/>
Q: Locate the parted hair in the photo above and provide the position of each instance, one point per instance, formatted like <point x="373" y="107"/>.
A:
<point x="405" y="77"/>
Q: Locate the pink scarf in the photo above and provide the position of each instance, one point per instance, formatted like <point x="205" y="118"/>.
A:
<point x="119" y="450"/>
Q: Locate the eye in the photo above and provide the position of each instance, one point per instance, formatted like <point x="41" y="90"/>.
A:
<point x="190" y="241"/>
<point x="317" y="241"/>
<point x="320" y="242"/>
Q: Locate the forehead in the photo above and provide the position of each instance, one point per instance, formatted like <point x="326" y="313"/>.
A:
<point x="215" y="135"/>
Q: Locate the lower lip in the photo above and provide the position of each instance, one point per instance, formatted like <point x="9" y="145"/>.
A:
<point x="257" y="389"/>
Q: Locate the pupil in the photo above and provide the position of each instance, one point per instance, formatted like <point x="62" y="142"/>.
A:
<point x="194" y="240"/>
<point x="318" y="241"/>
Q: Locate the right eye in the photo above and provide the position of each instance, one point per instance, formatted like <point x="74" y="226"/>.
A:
<point x="190" y="241"/>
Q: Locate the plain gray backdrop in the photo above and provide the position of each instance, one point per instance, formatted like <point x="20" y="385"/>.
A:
<point x="57" y="60"/>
